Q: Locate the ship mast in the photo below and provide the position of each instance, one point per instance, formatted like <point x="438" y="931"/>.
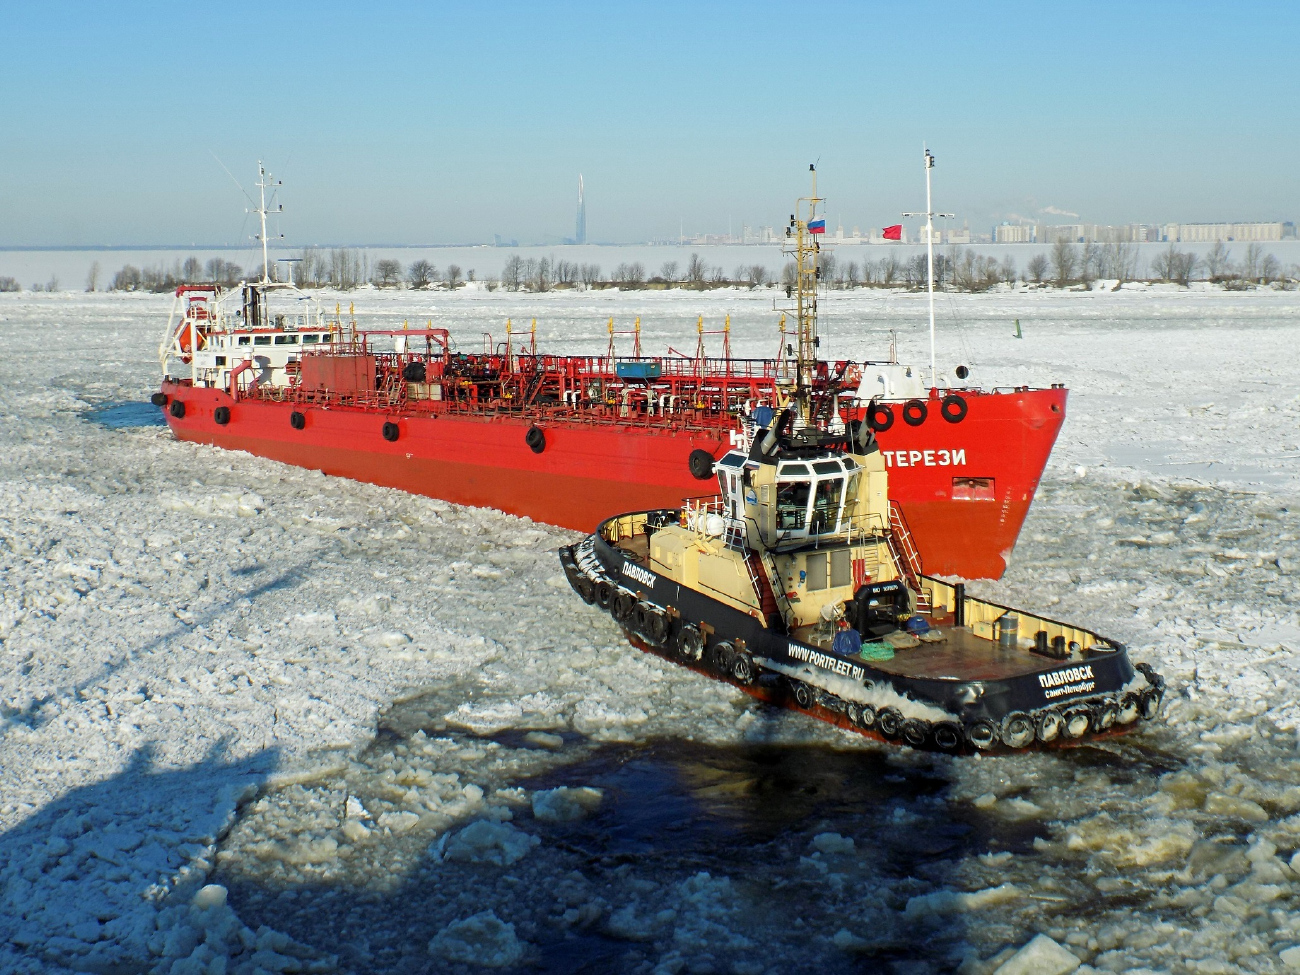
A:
<point x="804" y="248"/>
<point x="929" y="245"/>
<point x="263" y="181"/>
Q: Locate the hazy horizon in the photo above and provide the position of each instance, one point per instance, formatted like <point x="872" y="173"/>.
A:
<point x="420" y="124"/>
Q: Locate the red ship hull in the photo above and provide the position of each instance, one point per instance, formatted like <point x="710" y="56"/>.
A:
<point x="964" y="488"/>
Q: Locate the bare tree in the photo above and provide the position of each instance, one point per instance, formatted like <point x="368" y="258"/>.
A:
<point x="512" y="275"/>
<point x="1270" y="269"/>
<point x="1252" y="263"/>
<point x="890" y="268"/>
<point x="92" y="277"/>
<point x="453" y="276"/>
<point x="1090" y="263"/>
<point x="827" y="267"/>
<point x="1065" y="262"/>
<point x="668" y="271"/>
<point x="388" y="272"/>
<point x="420" y="273"/>
<point x="851" y="275"/>
<point x="696" y="270"/>
<point x="1218" y="262"/>
<point x="1174" y="265"/>
<point x="590" y="274"/>
<point x="8" y="284"/>
<point x="1009" y="273"/>
<point x="1037" y="268"/>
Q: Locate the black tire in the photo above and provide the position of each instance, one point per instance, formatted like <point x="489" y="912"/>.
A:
<point x="701" y="464"/>
<point x="690" y="643"/>
<point x="623" y="605"/>
<point x="879" y="417"/>
<point x="1130" y="708"/>
<point x="586" y="589"/>
<point x="803" y="695"/>
<point x="953" y="408"/>
<point x="535" y="439"/>
<point x="722" y="655"/>
<point x="1049" y="725"/>
<point x="914" y="412"/>
<point x="947" y="736"/>
<point x="742" y="668"/>
<point x="177" y="409"/>
<point x="297" y="420"/>
<point x="867" y="716"/>
<point x="656" y="628"/>
<point x="414" y="372"/>
<point x="982" y="734"/>
<point x="604" y="594"/>
<point x="916" y="732"/>
<point x="1105" y="715"/>
<point x="391" y="431"/>
<point x="222" y="415"/>
<point x="1152" y="697"/>
<point x="890" y="721"/>
<point x="158" y="399"/>
<point x="1017" y="730"/>
<point x="1077" y="722"/>
<point x="853" y="711"/>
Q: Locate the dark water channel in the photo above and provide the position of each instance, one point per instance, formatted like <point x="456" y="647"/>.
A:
<point x="120" y="416"/>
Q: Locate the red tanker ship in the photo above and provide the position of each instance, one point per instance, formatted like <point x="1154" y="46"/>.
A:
<point x="571" y="440"/>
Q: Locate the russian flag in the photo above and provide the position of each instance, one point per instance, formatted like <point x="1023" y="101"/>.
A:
<point x="817" y="225"/>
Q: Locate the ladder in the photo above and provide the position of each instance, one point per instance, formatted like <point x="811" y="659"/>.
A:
<point x="907" y="560"/>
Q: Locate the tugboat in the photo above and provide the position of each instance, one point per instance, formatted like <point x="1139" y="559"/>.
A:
<point x="801" y="584"/>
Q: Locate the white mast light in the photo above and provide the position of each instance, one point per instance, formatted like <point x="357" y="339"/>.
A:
<point x="929" y="246"/>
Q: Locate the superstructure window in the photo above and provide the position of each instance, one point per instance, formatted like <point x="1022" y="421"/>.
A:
<point x="261" y="340"/>
<point x="792" y="505"/>
<point x="243" y="340"/>
<point x="286" y="340"/>
<point x="310" y="339"/>
<point x="826" y="504"/>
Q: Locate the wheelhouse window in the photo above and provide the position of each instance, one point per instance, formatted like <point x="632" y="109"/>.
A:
<point x="792" y="505"/>
<point x="828" y="494"/>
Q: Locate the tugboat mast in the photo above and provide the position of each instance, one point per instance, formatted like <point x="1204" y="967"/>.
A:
<point x="805" y="251"/>
<point x="929" y="245"/>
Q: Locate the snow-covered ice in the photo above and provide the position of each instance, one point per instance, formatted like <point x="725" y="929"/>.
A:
<point x="197" y="648"/>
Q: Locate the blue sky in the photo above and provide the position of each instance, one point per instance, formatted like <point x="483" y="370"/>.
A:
<point x="432" y="123"/>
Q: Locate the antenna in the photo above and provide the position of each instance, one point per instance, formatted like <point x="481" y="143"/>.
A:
<point x="263" y="181"/>
<point x="929" y="246"/>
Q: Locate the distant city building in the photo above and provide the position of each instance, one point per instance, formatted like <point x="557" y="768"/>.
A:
<point x="1206" y="233"/>
<point x="580" y="231"/>
<point x="1015" y="233"/>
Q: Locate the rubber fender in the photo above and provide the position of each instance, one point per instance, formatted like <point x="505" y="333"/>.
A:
<point x="803" y="694"/>
<point x="982" y="733"/>
<point x="867" y="716"/>
<point x="690" y="642"/>
<point x="914" y="412"/>
<point x="947" y="736"/>
<point x="1077" y="722"/>
<point x="656" y="627"/>
<point x="1151" y="700"/>
<point x="1130" y="708"/>
<point x="158" y="399"/>
<point x="1049" y="725"/>
<point x="723" y="655"/>
<point x="535" y="439"/>
<point x="177" y="409"/>
<point x="222" y="415"/>
<point x="890" y="721"/>
<point x="623" y="605"/>
<point x="586" y="590"/>
<point x="916" y="732"/>
<point x="1017" y="730"/>
<point x="414" y="372"/>
<point x="953" y="408"/>
<point x="1104" y="715"/>
<point x="700" y="463"/>
<point x="391" y="431"/>
<point x="604" y="594"/>
<point x="879" y="417"/>
<point x="297" y="420"/>
<point x="742" y="668"/>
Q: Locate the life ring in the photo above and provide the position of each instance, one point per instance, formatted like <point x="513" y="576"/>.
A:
<point x="158" y="399"/>
<point x="178" y="409"/>
<point x="1049" y="726"/>
<point x="879" y="417"/>
<point x="222" y="415"/>
<point x="953" y="408"/>
<point x="1017" y="730"/>
<point x="701" y="464"/>
<point x="297" y="420"/>
<point x="982" y="734"/>
<point x="914" y="412"/>
<point x="742" y="668"/>
<point x="535" y="439"/>
<point x="916" y="732"/>
<point x="890" y="721"/>
<point x="947" y="736"/>
<point x="391" y="431"/>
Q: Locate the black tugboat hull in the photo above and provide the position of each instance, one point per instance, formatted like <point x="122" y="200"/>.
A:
<point x="1079" y="699"/>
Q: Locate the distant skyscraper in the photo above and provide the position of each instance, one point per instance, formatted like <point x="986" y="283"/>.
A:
<point x="580" y="232"/>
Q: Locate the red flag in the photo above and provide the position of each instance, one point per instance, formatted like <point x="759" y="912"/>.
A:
<point x="893" y="233"/>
